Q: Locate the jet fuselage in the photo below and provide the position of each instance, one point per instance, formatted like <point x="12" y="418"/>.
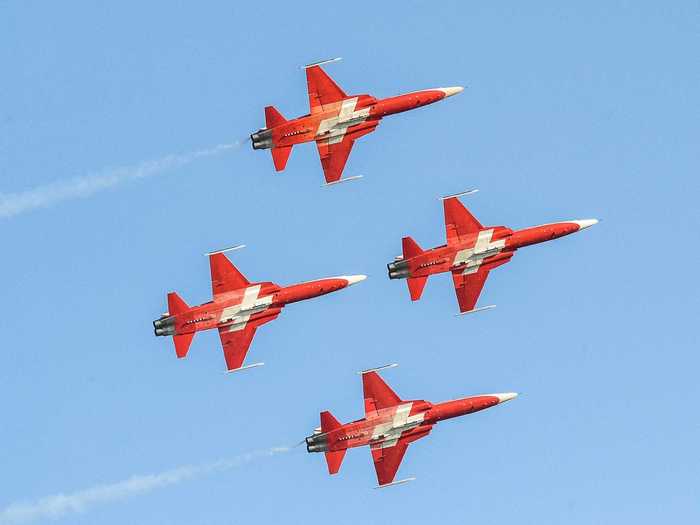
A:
<point x="358" y="112"/>
<point x="490" y="246"/>
<point x="239" y="307"/>
<point x="409" y="419"/>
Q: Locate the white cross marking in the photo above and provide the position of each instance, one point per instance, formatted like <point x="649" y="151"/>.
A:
<point x="390" y="432"/>
<point x="483" y="248"/>
<point x="249" y="305"/>
<point x="334" y="128"/>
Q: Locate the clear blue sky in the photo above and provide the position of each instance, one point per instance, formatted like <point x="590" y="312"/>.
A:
<point x="570" y="112"/>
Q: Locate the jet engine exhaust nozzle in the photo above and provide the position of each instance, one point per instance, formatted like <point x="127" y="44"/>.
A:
<point x="317" y="443"/>
<point x="398" y="269"/>
<point x="262" y="139"/>
<point x="164" y="326"/>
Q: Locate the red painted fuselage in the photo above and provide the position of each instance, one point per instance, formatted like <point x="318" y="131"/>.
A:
<point x="389" y="426"/>
<point x="334" y="122"/>
<point x="471" y="251"/>
<point x="238" y="308"/>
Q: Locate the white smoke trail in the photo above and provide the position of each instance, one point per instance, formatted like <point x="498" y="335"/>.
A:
<point x="59" y="505"/>
<point x="12" y="204"/>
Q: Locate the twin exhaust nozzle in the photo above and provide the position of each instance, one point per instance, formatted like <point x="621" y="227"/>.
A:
<point x="398" y="269"/>
<point x="164" y="326"/>
<point x="262" y="139"/>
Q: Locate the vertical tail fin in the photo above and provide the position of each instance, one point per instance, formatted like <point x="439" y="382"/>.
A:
<point x="334" y="458"/>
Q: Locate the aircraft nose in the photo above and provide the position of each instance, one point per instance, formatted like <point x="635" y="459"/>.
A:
<point x="353" y="279"/>
<point x="449" y="91"/>
<point x="585" y="223"/>
<point x="507" y="396"/>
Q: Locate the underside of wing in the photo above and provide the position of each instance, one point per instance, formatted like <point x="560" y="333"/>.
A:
<point x="333" y="157"/>
<point x="387" y="460"/>
<point x="236" y="342"/>
<point x="225" y="277"/>
<point x="468" y="287"/>
<point x="459" y="221"/>
<point x="323" y="91"/>
<point x="377" y="393"/>
<point x="334" y="152"/>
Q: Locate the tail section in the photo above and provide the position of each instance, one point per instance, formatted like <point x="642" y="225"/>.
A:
<point x="333" y="458"/>
<point x="273" y="117"/>
<point x="410" y="248"/>
<point x="182" y="341"/>
<point x="182" y="344"/>
<point x="328" y="422"/>
<point x="176" y="305"/>
<point x="415" y="284"/>
<point x="280" y="156"/>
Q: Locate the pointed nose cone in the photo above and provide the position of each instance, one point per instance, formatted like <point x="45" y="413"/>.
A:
<point x="353" y="279"/>
<point x="507" y="396"/>
<point x="449" y="91"/>
<point x="585" y="223"/>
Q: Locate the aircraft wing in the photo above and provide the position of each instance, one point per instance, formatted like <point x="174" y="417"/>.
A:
<point x="237" y="342"/>
<point x="377" y="393"/>
<point x="323" y="91"/>
<point x="468" y="287"/>
<point x="225" y="277"/>
<point x="387" y="459"/>
<point x="334" y="153"/>
<point x="458" y="220"/>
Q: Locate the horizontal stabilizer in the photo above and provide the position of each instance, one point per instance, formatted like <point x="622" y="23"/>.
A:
<point x="416" y="285"/>
<point x="176" y="305"/>
<point x="334" y="460"/>
<point x="280" y="156"/>
<point x="273" y="117"/>
<point x="329" y="422"/>
<point x="410" y="248"/>
<point x="182" y="344"/>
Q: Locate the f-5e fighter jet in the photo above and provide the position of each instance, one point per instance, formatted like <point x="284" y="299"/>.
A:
<point x="238" y="308"/>
<point x="471" y="252"/>
<point x="335" y="122"/>
<point x="389" y="426"/>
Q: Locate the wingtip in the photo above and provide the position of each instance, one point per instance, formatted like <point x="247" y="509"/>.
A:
<point x="246" y="367"/>
<point x="229" y="249"/>
<point x="460" y="194"/>
<point x="321" y="62"/>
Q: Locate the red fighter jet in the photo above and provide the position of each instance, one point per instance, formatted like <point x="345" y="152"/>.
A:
<point x="471" y="252"/>
<point x="335" y="122"/>
<point x="238" y="309"/>
<point x="389" y="426"/>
